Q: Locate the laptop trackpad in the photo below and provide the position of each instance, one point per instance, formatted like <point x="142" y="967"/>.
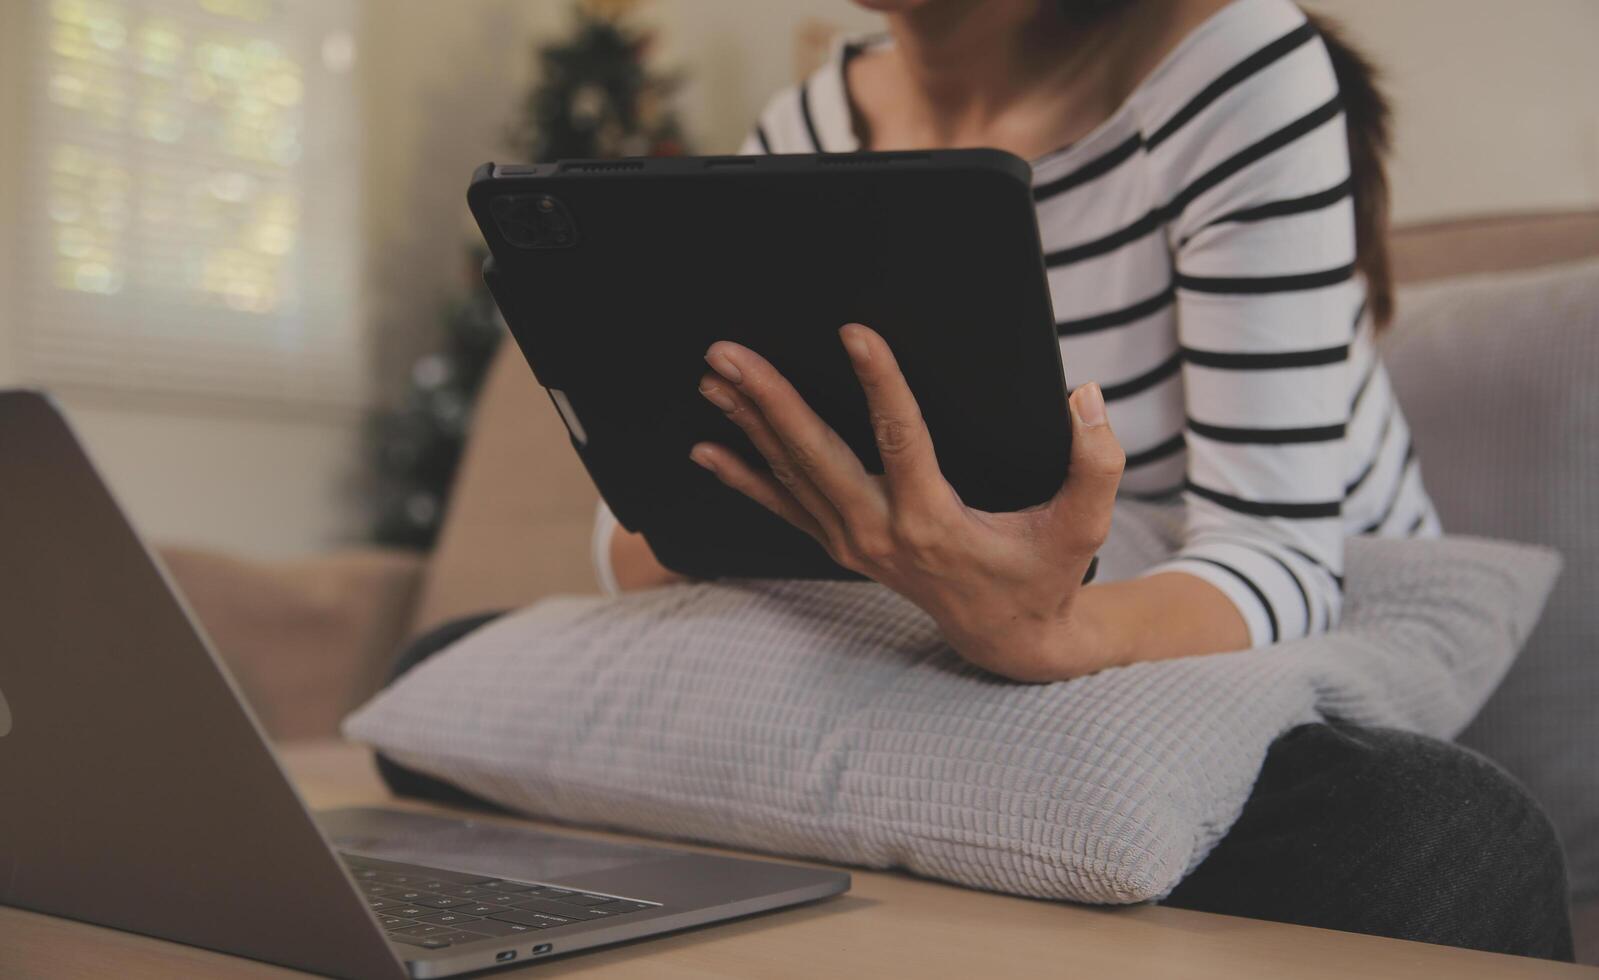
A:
<point x="491" y="849"/>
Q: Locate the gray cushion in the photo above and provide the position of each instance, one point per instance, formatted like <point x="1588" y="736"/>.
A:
<point x="1499" y="377"/>
<point x="829" y="720"/>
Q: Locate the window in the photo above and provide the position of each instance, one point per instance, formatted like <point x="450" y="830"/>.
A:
<point x="189" y="221"/>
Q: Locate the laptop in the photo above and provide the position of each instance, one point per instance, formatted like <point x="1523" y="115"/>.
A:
<point x="139" y="792"/>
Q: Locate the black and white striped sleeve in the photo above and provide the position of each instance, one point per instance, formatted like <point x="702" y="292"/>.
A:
<point x="756" y="143"/>
<point x="1261" y="228"/>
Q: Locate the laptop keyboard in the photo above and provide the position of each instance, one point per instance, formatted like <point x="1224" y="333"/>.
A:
<point x="435" y="909"/>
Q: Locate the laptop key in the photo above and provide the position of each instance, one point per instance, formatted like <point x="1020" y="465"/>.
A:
<point x="448" y="888"/>
<point x="390" y="878"/>
<point x="395" y="921"/>
<point x="441" y="902"/>
<point x="495" y="927"/>
<point x="448" y="919"/>
<point x="540" y="920"/>
<point x="418" y="875"/>
<point x="548" y="907"/>
<point x="459" y="936"/>
<point x="407" y="911"/>
<point x="439" y="940"/>
<point x="481" y="909"/>
<point x="378" y="904"/>
<point x="466" y="891"/>
<point x="423" y="929"/>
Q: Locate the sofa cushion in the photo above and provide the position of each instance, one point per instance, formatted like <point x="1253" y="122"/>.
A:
<point x="830" y="720"/>
<point x="1499" y="378"/>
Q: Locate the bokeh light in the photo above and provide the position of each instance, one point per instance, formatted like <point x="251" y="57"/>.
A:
<point x="216" y="116"/>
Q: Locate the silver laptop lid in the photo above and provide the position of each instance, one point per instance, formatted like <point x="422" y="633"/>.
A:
<point x="136" y="789"/>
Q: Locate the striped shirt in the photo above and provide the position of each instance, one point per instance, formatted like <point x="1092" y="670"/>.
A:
<point x="1200" y="250"/>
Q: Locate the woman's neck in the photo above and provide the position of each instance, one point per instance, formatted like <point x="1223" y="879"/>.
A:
<point x="965" y="54"/>
<point x="1017" y="74"/>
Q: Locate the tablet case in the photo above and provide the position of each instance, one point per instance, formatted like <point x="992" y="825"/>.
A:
<point x="615" y="276"/>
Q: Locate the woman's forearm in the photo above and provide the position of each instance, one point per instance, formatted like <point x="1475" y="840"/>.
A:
<point x="1158" y="617"/>
<point x="634" y="564"/>
<point x="1154" y="618"/>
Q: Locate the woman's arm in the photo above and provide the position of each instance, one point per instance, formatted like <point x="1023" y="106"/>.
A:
<point x="1262" y="234"/>
<point x="633" y="564"/>
<point x="1160" y="617"/>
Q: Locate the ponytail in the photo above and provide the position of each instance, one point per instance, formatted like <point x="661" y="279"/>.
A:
<point x="1367" y="119"/>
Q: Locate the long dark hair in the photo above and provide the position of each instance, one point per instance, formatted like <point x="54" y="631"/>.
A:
<point x="1368" y="121"/>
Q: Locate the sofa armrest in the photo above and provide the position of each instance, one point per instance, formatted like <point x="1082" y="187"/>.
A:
<point x="307" y="640"/>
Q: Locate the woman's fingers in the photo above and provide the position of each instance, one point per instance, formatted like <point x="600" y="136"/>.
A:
<point x="1081" y="511"/>
<point x="747" y="416"/>
<point x="759" y="487"/>
<point x="807" y="444"/>
<point x="910" y="465"/>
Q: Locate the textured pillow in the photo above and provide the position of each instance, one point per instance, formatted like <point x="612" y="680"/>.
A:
<point x="829" y="720"/>
<point x="1499" y="377"/>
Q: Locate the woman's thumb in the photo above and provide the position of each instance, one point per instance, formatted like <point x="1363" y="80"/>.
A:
<point x="1083" y="505"/>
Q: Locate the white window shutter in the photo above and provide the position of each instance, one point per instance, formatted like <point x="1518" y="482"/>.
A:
<point x="189" y="215"/>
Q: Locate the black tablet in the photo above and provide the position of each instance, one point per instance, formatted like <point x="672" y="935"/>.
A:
<point x="616" y="275"/>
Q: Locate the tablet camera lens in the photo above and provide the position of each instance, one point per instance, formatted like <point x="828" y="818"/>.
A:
<point x="534" y="221"/>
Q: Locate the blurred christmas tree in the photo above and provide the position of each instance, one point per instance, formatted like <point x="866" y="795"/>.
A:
<point x="594" y="98"/>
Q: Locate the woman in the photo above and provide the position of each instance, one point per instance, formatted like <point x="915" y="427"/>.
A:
<point x="1194" y="192"/>
<point x="1211" y="199"/>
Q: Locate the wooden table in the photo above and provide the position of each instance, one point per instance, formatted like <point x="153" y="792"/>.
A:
<point x="889" y="925"/>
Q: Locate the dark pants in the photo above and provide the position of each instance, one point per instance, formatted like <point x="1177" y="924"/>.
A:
<point x="1357" y="829"/>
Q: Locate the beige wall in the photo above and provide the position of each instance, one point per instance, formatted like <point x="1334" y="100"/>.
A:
<point x="1497" y="104"/>
<point x="263" y="486"/>
<point x="439" y="84"/>
<point x="1496" y="113"/>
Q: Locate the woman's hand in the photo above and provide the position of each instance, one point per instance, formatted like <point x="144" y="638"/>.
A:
<point x="1003" y="588"/>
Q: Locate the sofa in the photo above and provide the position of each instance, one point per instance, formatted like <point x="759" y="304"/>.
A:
<point x="310" y="639"/>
